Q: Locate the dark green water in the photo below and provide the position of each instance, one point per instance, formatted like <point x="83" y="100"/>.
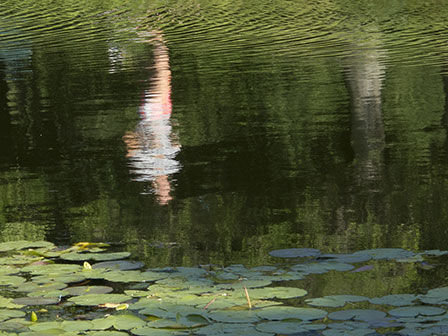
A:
<point x="216" y="131"/>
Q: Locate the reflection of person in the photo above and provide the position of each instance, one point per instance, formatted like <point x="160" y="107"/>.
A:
<point x="151" y="147"/>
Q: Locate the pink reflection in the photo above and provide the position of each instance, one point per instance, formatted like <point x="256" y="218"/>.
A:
<point x="152" y="147"/>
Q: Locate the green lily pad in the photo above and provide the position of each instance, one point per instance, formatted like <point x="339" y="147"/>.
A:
<point x="32" y="286"/>
<point x="127" y="322"/>
<point x="281" y="327"/>
<point x="9" y="313"/>
<point x="335" y="300"/>
<point x="57" y="277"/>
<point x="97" y="299"/>
<point x="36" y="301"/>
<point x="357" y="314"/>
<point x="148" y="331"/>
<point x="413" y="311"/>
<point x="395" y="300"/>
<point x="276" y="293"/>
<point x="107" y="333"/>
<point x="66" y="326"/>
<point x="23" y="244"/>
<point x="119" y="265"/>
<point x="131" y="276"/>
<point x="387" y="253"/>
<point x="322" y="267"/>
<point x="295" y="253"/>
<point x="8" y="303"/>
<point x="82" y="256"/>
<point x="286" y="312"/>
<point x="357" y="332"/>
<point x="11" y="280"/>
<point x="62" y="269"/>
<point x="234" y="316"/>
<point x="83" y="290"/>
<point x="234" y="329"/>
<point x="238" y="285"/>
<point x="435" y="296"/>
<point x="346" y="258"/>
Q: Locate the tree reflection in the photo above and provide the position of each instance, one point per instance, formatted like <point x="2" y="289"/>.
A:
<point x="152" y="147"/>
<point x="366" y="75"/>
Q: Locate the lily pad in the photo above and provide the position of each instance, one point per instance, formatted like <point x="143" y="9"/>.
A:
<point x="97" y="299"/>
<point x="435" y="296"/>
<point x="84" y="290"/>
<point x="36" y="301"/>
<point x="11" y="280"/>
<point x="81" y="256"/>
<point x="22" y="244"/>
<point x="335" y="300"/>
<point x="357" y="314"/>
<point x="395" y="300"/>
<point x="234" y="329"/>
<point x="387" y="253"/>
<point x="322" y="267"/>
<point x="286" y="312"/>
<point x="119" y="265"/>
<point x="295" y="253"/>
<point x="281" y="327"/>
<point x="346" y="258"/>
<point x="276" y="293"/>
<point x="234" y="316"/>
<point x="149" y="331"/>
<point x="413" y="311"/>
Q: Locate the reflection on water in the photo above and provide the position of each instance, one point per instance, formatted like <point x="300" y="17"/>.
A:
<point x="152" y="147"/>
<point x="307" y="123"/>
<point x="366" y="71"/>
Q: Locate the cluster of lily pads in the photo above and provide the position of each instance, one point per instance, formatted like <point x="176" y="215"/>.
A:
<point x="88" y="290"/>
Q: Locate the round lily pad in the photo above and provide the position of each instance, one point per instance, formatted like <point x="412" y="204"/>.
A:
<point x="295" y="253"/>
<point x="22" y="244"/>
<point x="234" y="329"/>
<point x="11" y="280"/>
<point x="97" y="299"/>
<point x="322" y="267"/>
<point x="119" y="265"/>
<point x="346" y="258"/>
<point x="413" y="311"/>
<point x="387" y="253"/>
<point x="83" y="290"/>
<point x="335" y="300"/>
<point x="234" y="316"/>
<point x="284" y="328"/>
<point x="357" y="314"/>
<point x="395" y="300"/>
<point x="36" y="301"/>
<point x="276" y="292"/>
<point x="81" y="256"/>
<point x="286" y="312"/>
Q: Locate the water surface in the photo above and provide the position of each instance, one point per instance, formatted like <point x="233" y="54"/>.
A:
<point x="209" y="132"/>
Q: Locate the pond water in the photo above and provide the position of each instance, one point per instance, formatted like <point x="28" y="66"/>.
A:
<point x="196" y="132"/>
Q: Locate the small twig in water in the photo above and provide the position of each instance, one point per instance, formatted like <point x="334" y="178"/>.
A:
<point x="248" y="298"/>
<point x="208" y="304"/>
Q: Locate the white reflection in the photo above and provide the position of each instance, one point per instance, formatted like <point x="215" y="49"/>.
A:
<point x="152" y="147"/>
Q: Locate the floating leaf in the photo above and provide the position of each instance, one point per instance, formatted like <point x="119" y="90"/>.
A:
<point x="234" y="316"/>
<point x="335" y="300"/>
<point x="84" y="290"/>
<point x="387" y="253"/>
<point x="11" y="280"/>
<point x="322" y="267"/>
<point x="119" y="265"/>
<point x="346" y="258"/>
<point x="81" y="256"/>
<point x="22" y="244"/>
<point x="295" y="253"/>
<point x="281" y="327"/>
<point x="234" y="329"/>
<point x="395" y="300"/>
<point x="413" y="311"/>
<point x="286" y="312"/>
<point x="357" y="314"/>
<point x="36" y="301"/>
<point x="97" y="299"/>
<point x="277" y="293"/>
